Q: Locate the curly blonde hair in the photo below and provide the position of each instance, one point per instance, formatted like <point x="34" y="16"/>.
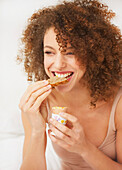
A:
<point x="86" y="25"/>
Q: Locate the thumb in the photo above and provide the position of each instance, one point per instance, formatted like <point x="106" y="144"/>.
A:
<point x="43" y="110"/>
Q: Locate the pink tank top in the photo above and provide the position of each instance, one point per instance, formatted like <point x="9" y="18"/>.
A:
<point x="72" y="161"/>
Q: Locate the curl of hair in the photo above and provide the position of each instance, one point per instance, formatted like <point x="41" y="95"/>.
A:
<point x="86" y="25"/>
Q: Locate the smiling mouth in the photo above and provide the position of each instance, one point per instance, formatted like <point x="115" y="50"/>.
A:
<point x="66" y="75"/>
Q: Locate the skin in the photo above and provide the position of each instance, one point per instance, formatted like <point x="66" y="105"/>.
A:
<point x="55" y="61"/>
<point x="85" y="123"/>
<point x="59" y="62"/>
<point x="32" y="104"/>
<point x="31" y="101"/>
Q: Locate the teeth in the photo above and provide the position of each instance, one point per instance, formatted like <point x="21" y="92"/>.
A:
<point x="62" y="75"/>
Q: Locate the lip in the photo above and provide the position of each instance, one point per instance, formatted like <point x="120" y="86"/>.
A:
<point x="69" y="78"/>
<point x="62" y="72"/>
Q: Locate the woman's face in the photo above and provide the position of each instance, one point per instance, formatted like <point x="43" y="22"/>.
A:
<point x="61" y="64"/>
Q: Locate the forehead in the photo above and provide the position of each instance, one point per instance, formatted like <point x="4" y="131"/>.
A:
<point x="50" y="35"/>
<point x="50" y="39"/>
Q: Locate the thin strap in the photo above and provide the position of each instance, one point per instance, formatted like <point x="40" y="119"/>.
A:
<point x="111" y="126"/>
<point x="112" y="116"/>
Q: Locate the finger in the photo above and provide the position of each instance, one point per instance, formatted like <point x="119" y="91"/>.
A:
<point x="59" y="134"/>
<point x="41" y="98"/>
<point x="36" y="94"/>
<point x="57" y="140"/>
<point x="32" y="88"/>
<point x="71" y="118"/>
<point x="43" y="110"/>
<point x="61" y="127"/>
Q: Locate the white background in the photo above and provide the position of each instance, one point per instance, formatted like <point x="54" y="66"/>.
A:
<point x="13" y="18"/>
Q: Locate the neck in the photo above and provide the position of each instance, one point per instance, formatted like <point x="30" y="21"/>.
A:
<point x="77" y="97"/>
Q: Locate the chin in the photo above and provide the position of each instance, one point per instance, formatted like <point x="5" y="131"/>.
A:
<point x="64" y="88"/>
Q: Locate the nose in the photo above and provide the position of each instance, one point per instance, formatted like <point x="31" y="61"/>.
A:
<point x="59" y="61"/>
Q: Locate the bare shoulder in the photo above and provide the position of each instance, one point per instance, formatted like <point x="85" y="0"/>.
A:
<point x="118" y="120"/>
<point x="118" y="117"/>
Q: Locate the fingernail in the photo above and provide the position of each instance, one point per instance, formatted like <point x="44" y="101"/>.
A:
<point x="49" y="86"/>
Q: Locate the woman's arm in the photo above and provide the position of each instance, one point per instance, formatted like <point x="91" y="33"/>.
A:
<point x="33" y="149"/>
<point x="74" y="140"/>
<point x="97" y="159"/>
<point x="34" y="117"/>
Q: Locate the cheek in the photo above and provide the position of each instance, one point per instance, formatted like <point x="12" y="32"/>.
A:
<point x="80" y="69"/>
<point x="46" y="65"/>
<point x="72" y="62"/>
<point x="47" y="62"/>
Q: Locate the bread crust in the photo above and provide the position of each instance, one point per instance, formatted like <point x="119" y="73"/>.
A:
<point x="55" y="81"/>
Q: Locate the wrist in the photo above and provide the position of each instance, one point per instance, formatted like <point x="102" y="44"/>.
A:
<point x="38" y="133"/>
<point x="85" y="150"/>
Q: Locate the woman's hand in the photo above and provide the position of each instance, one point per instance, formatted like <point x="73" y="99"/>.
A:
<point x="32" y="104"/>
<point x="72" y="139"/>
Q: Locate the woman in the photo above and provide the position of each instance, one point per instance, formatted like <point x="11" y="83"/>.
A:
<point x="75" y="39"/>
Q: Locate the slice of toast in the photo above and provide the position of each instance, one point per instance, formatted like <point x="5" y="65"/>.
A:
<point x="55" y="81"/>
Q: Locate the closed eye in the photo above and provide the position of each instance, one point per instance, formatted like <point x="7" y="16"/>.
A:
<point x="70" y="53"/>
<point x="48" y="52"/>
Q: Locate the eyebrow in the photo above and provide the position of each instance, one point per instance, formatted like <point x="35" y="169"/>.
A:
<point x="47" y="46"/>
